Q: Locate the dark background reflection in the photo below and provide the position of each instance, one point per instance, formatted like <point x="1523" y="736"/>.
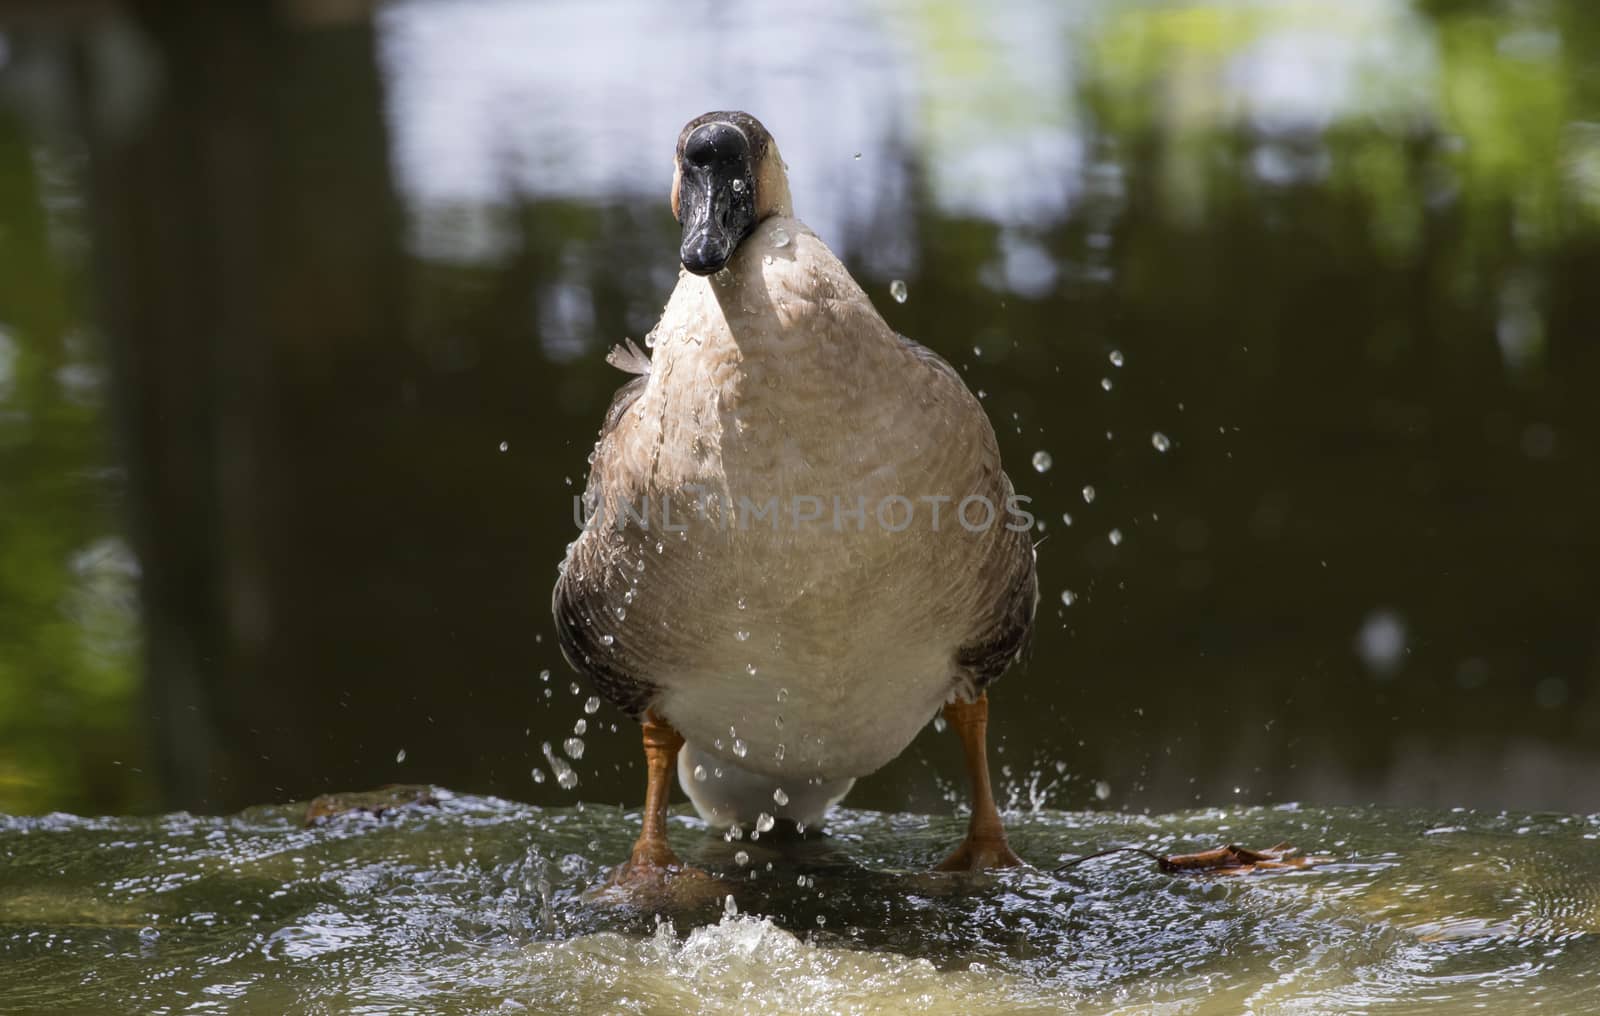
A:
<point x="303" y="310"/>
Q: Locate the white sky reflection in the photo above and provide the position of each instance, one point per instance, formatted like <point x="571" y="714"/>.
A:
<point x="495" y="100"/>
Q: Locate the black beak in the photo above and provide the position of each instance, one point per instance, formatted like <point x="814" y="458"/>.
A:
<point x="716" y="196"/>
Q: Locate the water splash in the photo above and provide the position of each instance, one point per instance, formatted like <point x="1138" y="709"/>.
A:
<point x="566" y="776"/>
<point x="477" y="905"/>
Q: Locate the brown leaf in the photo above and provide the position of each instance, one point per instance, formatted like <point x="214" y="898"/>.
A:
<point x="1235" y="860"/>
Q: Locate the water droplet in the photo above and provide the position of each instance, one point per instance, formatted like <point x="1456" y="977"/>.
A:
<point x="741" y="603"/>
<point x="400" y="756"/>
<point x="738" y="185"/>
<point x="660" y="546"/>
<point x="628" y="596"/>
<point x="1068" y="597"/>
<point x="730" y="908"/>
<point x="779" y="798"/>
<point x="537" y="774"/>
<point x="574" y="747"/>
<point x="1115" y="358"/>
<point x="1066" y="518"/>
<point x="1115" y="536"/>
<point x="607" y="640"/>
<point x="622" y="613"/>
<point x="780" y="237"/>
<point x="1088" y="495"/>
<point x="822" y="919"/>
<point x="741" y="858"/>
<point x="699" y="774"/>
<point x="750" y="668"/>
<point x="1159" y="441"/>
<point x="897" y="289"/>
<point x="581" y="727"/>
<point x="940" y="725"/>
<point x="573" y="687"/>
<point x="1042" y="462"/>
<point x="148" y="934"/>
<point x="1102" y="789"/>
<point x="858" y="156"/>
<point x="783" y="695"/>
<point x="505" y="445"/>
<point x="566" y="776"/>
<point x="592" y="706"/>
<point x="740" y="749"/>
<point x="742" y="635"/>
<point x="1105" y="383"/>
<point x="777" y="753"/>
<point x="765" y="822"/>
<point x="777" y="721"/>
<point x="544" y="675"/>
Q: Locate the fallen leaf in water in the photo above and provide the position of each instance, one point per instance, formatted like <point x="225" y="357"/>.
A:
<point x="1235" y="860"/>
<point x="1229" y="860"/>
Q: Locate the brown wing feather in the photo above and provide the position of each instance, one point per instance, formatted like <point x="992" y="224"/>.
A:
<point x="580" y="595"/>
<point x="1004" y="639"/>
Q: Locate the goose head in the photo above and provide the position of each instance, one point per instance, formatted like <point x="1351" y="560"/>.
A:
<point x="728" y="178"/>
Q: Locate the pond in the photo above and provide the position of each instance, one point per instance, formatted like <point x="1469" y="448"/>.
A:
<point x="1283" y="314"/>
<point x="477" y="905"/>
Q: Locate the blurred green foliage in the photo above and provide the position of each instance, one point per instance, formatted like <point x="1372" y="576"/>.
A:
<point x="69" y="733"/>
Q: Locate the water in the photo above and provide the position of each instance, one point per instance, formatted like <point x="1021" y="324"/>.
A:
<point x="478" y="905"/>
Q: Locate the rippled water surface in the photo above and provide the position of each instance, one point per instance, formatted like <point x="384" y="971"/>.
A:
<point x="478" y="905"/>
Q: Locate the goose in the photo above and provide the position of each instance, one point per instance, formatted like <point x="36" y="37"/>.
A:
<point x="799" y="545"/>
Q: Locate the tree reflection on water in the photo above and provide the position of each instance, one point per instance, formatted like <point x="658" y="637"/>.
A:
<point x="306" y="316"/>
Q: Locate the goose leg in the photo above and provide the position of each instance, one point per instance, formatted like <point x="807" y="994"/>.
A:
<point x="652" y="856"/>
<point x="985" y="845"/>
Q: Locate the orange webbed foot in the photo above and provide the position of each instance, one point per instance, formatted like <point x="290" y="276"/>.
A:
<point x="981" y="854"/>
